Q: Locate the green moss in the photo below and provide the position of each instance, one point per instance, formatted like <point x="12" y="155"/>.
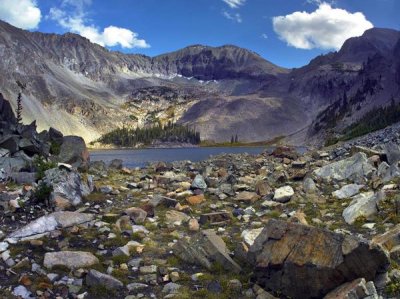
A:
<point x="120" y="259"/>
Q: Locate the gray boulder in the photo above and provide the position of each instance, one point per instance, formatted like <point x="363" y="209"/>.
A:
<point x="392" y="151"/>
<point x="304" y="262"/>
<point x="73" y="151"/>
<point x="355" y="168"/>
<point x="205" y="249"/>
<point x="70" y="259"/>
<point x="95" y="278"/>
<point x="363" y="205"/>
<point x="10" y="143"/>
<point x="199" y="182"/>
<point x="67" y="184"/>
<point x="347" y="191"/>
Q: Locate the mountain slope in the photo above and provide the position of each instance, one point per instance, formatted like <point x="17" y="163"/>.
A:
<point x="82" y="88"/>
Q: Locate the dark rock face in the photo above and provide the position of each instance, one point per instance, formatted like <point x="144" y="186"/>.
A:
<point x="306" y="262"/>
<point x="6" y="112"/>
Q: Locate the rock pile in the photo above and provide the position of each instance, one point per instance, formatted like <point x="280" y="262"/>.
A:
<point x="276" y="225"/>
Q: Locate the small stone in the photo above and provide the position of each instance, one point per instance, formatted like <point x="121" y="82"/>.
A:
<point x="193" y="225"/>
<point x="174" y="276"/>
<point x="148" y="269"/>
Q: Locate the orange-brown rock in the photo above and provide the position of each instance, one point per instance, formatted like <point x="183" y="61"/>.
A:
<point x="306" y="262"/>
<point x="196" y="199"/>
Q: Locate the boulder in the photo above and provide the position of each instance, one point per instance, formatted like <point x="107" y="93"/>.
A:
<point x="10" y="143"/>
<point x="247" y="196"/>
<point x="205" y="249"/>
<point x="390" y="239"/>
<point x="392" y="151"/>
<point x="116" y="164"/>
<point x="73" y="151"/>
<point x="55" y="136"/>
<point x="363" y="205"/>
<point x="48" y="223"/>
<point x="309" y="186"/>
<point x="70" y="259"/>
<point x="347" y="191"/>
<point x="199" y="183"/>
<point x="283" y="194"/>
<point x="95" y="278"/>
<point x="357" y="289"/>
<point x="175" y="217"/>
<point x="354" y="168"/>
<point x="301" y="261"/>
<point x="67" y="184"/>
<point x="23" y="177"/>
<point x="388" y="172"/>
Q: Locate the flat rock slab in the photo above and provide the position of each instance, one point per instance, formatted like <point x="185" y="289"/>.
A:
<point x="301" y="261"/>
<point x="69" y="259"/>
<point x="206" y="248"/>
<point x="45" y="224"/>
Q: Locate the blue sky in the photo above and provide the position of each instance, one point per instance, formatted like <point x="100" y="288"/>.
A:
<point x="286" y="32"/>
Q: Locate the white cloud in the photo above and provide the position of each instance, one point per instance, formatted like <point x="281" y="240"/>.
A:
<point x="20" y="13"/>
<point x="325" y="28"/>
<point x="264" y="36"/>
<point x="77" y="22"/>
<point x="236" y="17"/>
<point x="235" y="3"/>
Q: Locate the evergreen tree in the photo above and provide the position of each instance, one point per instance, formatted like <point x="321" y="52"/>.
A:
<point x="19" y="102"/>
<point x="232" y="140"/>
<point x="236" y="139"/>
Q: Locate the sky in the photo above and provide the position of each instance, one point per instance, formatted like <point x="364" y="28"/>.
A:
<point x="288" y="33"/>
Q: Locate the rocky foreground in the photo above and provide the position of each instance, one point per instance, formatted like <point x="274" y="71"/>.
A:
<point x="277" y="225"/>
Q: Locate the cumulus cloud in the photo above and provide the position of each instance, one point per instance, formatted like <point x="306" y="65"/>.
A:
<point x="325" y="28"/>
<point x="235" y="3"/>
<point x="24" y="14"/>
<point x="77" y="22"/>
<point x="236" y="17"/>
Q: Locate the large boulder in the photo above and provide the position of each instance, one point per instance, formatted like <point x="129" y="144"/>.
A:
<point x="301" y="261"/>
<point x="206" y="249"/>
<point x="355" y="168"/>
<point x="73" y="151"/>
<point x="67" y="184"/>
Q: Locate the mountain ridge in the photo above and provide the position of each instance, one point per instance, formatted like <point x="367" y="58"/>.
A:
<point x="90" y="89"/>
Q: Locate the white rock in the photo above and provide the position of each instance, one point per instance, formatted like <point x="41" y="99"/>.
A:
<point x="283" y="194"/>
<point x="347" y="191"/>
<point x="364" y="204"/>
<point x="249" y="235"/>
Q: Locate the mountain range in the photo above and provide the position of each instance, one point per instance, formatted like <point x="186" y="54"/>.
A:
<point x="84" y="89"/>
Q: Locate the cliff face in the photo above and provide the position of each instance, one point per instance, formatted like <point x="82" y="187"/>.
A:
<point x="82" y="88"/>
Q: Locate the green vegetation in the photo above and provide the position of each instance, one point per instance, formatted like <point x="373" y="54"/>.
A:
<point x="169" y="133"/>
<point x="41" y="165"/>
<point x="42" y="192"/>
<point x="376" y="119"/>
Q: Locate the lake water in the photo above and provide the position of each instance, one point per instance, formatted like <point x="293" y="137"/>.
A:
<point x="140" y="157"/>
